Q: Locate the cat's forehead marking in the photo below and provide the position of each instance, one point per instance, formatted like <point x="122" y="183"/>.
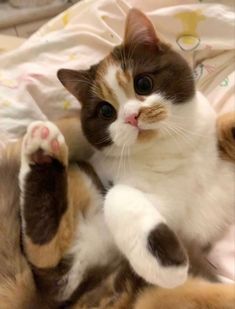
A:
<point x="125" y="81"/>
<point x="110" y="78"/>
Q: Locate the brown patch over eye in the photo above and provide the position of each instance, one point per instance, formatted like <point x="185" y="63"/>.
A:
<point x="153" y="114"/>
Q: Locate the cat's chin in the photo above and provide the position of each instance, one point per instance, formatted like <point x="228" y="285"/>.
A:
<point x="143" y="140"/>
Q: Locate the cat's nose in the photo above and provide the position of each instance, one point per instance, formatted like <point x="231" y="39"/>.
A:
<point x="132" y="119"/>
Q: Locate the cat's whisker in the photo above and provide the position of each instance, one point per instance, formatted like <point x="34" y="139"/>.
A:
<point x="129" y="158"/>
<point x="185" y="138"/>
<point x="168" y="131"/>
<point x="179" y="134"/>
<point x="103" y="140"/>
<point x="120" y="162"/>
<point x="176" y="125"/>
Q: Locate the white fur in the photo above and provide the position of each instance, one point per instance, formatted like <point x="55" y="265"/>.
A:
<point x="93" y="244"/>
<point x="179" y="174"/>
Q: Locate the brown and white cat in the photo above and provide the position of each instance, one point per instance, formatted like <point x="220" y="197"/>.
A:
<point x="32" y="278"/>
<point x="155" y="137"/>
<point x="69" y="255"/>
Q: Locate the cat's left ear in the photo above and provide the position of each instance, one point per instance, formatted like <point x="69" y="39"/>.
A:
<point x="139" y="30"/>
<point x="74" y="81"/>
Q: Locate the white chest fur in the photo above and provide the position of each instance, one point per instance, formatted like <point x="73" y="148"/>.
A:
<point x="191" y="187"/>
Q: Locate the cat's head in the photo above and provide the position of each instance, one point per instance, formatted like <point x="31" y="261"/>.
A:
<point x="135" y="93"/>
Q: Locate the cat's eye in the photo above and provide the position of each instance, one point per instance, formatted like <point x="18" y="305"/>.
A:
<point x="143" y="84"/>
<point x="106" y="110"/>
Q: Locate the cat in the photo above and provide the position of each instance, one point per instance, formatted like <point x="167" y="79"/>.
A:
<point x="63" y="229"/>
<point x="140" y="104"/>
<point x="69" y="257"/>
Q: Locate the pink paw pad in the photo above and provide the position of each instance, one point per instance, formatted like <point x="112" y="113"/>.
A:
<point x="55" y="145"/>
<point x="44" y="132"/>
<point x="34" y="131"/>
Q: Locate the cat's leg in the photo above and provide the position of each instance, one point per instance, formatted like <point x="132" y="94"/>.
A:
<point x="142" y="235"/>
<point x="194" y="294"/>
<point x="43" y="183"/>
<point x="47" y="223"/>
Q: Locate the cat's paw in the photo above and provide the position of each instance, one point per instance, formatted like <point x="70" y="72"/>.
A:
<point x="160" y="258"/>
<point x="42" y="143"/>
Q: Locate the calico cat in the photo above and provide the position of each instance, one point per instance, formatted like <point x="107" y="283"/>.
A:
<point x="66" y="256"/>
<point x="66" y="246"/>
<point x="140" y="109"/>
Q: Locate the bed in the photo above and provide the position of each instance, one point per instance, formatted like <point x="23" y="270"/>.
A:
<point x="201" y="30"/>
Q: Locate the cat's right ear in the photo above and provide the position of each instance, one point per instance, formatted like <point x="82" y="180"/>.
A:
<point x="73" y="81"/>
<point x="139" y="30"/>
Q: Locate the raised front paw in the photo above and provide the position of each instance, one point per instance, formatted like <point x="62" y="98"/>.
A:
<point x="160" y="258"/>
<point x="42" y="143"/>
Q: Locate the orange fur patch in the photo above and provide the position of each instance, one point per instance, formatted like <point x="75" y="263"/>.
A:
<point x="153" y="114"/>
<point x="194" y="294"/>
<point x="226" y="140"/>
<point x="125" y="82"/>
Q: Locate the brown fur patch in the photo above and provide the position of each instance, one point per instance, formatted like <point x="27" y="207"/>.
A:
<point x="194" y="294"/>
<point x="50" y="254"/>
<point x="88" y="169"/>
<point x="79" y="191"/>
<point x="116" y="289"/>
<point x="45" y="201"/>
<point x="165" y="246"/>
<point x="226" y="136"/>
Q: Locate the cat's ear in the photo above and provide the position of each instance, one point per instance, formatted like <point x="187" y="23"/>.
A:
<point x="73" y="81"/>
<point x="139" y="30"/>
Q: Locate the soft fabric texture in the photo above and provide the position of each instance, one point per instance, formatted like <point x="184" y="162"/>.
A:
<point x="203" y="31"/>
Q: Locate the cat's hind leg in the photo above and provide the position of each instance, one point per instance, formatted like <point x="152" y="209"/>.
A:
<point x="194" y="294"/>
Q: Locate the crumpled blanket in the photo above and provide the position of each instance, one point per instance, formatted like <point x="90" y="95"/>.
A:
<point x="202" y="31"/>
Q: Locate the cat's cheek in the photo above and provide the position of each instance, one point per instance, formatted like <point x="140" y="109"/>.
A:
<point x="123" y="134"/>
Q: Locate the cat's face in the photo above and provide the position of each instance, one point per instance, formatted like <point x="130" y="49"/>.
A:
<point x="134" y="94"/>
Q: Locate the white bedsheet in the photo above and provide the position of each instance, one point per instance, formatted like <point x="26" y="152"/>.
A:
<point x="202" y="31"/>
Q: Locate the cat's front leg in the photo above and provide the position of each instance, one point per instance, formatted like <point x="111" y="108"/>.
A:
<point x="44" y="204"/>
<point x="142" y="235"/>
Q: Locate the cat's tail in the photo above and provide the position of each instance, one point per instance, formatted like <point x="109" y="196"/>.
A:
<point x="17" y="288"/>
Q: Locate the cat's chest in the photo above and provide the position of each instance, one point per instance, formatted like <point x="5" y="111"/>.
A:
<point x="167" y="179"/>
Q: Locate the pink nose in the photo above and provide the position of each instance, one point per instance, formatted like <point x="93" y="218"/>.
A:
<point x="132" y="120"/>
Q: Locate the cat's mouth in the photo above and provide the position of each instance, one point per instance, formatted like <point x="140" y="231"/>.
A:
<point x="146" y="135"/>
<point x="147" y="117"/>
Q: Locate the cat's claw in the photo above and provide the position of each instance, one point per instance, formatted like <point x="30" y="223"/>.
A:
<point x="42" y="143"/>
